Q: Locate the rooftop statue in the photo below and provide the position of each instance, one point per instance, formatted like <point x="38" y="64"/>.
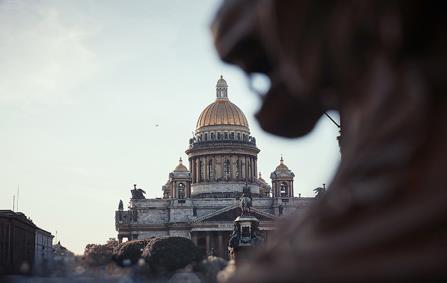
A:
<point x="381" y="64"/>
<point x="137" y="193"/>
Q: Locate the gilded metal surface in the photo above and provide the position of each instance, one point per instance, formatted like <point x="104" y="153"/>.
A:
<point x="222" y="112"/>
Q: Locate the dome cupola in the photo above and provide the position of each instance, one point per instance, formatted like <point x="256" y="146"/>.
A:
<point x="222" y="112"/>
<point x="179" y="183"/>
<point x="282" y="180"/>
<point x="180" y="167"/>
<point x="222" y="88"/>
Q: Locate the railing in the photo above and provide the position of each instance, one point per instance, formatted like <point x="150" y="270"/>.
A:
<point x="196" y="143"/>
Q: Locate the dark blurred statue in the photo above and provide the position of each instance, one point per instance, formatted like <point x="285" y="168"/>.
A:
<point x="137" y="193"/>
<point x="245" y="204"/>
<point x="381" y="64"/>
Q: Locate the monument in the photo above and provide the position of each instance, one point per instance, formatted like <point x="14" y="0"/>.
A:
<point x="246" y="233"/>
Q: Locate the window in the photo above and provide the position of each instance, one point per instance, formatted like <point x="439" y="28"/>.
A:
<point x="134" y="216"/>
<point x="283" y="189"/>
<point x="226" y="135"/>
<point x="194" y="211"/>
<point x="181" y="191"/>
<point x="206" y="136"/>
<point x="232" y="136"/>
<point x="227" y="171"/>
<point x="238" y="136"/>
<point x="213" y="136"/>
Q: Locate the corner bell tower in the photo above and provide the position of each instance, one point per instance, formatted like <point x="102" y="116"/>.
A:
<point x="282" y="181"/>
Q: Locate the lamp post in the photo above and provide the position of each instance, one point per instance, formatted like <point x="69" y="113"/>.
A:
<point x="339" y="130"/>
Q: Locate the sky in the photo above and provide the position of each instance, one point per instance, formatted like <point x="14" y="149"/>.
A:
<point x="83" y="86"/>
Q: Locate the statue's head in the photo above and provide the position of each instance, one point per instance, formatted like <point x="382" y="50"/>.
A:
<point x="315" y="51"/>
<point x="254" y="36"/>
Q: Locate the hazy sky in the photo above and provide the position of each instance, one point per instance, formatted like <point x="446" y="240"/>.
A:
<point x="82" y="86"/>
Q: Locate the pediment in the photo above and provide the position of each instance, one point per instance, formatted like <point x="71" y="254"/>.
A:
<point x="230" y="213"/>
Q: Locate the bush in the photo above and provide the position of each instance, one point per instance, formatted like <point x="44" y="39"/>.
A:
<point x="168" y="254"/>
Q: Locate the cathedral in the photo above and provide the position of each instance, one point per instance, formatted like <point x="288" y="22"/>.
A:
<point x="200" y="201"/>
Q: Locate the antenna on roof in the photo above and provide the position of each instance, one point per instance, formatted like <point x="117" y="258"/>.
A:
<point x="13" y="202"/>
<point x="18" y="190"/>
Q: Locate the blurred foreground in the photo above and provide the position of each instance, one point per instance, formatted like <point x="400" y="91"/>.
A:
<point x="169" y="259"/>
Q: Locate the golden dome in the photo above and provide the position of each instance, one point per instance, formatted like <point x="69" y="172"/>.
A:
<point x="222" y="111"/>
<point x="180" y="167"/>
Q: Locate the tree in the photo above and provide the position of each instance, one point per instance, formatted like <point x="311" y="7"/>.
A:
<point x="319" y="192"/>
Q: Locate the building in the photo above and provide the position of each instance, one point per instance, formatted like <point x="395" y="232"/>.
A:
<point x="201" y="202"/>
<point x="24" y="247"/>
<point x="43" y="252"/>
<point x="17" y="243"/>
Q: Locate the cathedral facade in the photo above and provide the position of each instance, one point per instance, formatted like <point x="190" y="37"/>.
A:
<point x="201" y="202"/>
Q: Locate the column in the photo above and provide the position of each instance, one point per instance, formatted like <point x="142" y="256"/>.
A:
<point x="174" y="189"/>
<point x="220" y="244"/>
<point x="207" y="243"/>
<point x="246" y="168"/>
<point x="188" y="189"/>
<point x="251" y="169"/>
<point x="191" y="170"/>
<point x="222" y="167"/>
<point x="206" y="169"/>
<point x="256" y="166"/>
<point x="194" y="238"/>
<point x="197" y="170"/>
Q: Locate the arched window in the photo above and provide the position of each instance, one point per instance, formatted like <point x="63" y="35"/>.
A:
<point x="219" y="135"/>
<point x="238" y="136"/>
<point x="227" y="170"/>
<point x="206" y="136"/>
<point x="226" y="135"/>
<point x="181" y="190"/>
<point x="232" y="136"/>
<point x="213" y="136"/>
<point x="210" y="170"/>
<point x="283" y="189"/>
